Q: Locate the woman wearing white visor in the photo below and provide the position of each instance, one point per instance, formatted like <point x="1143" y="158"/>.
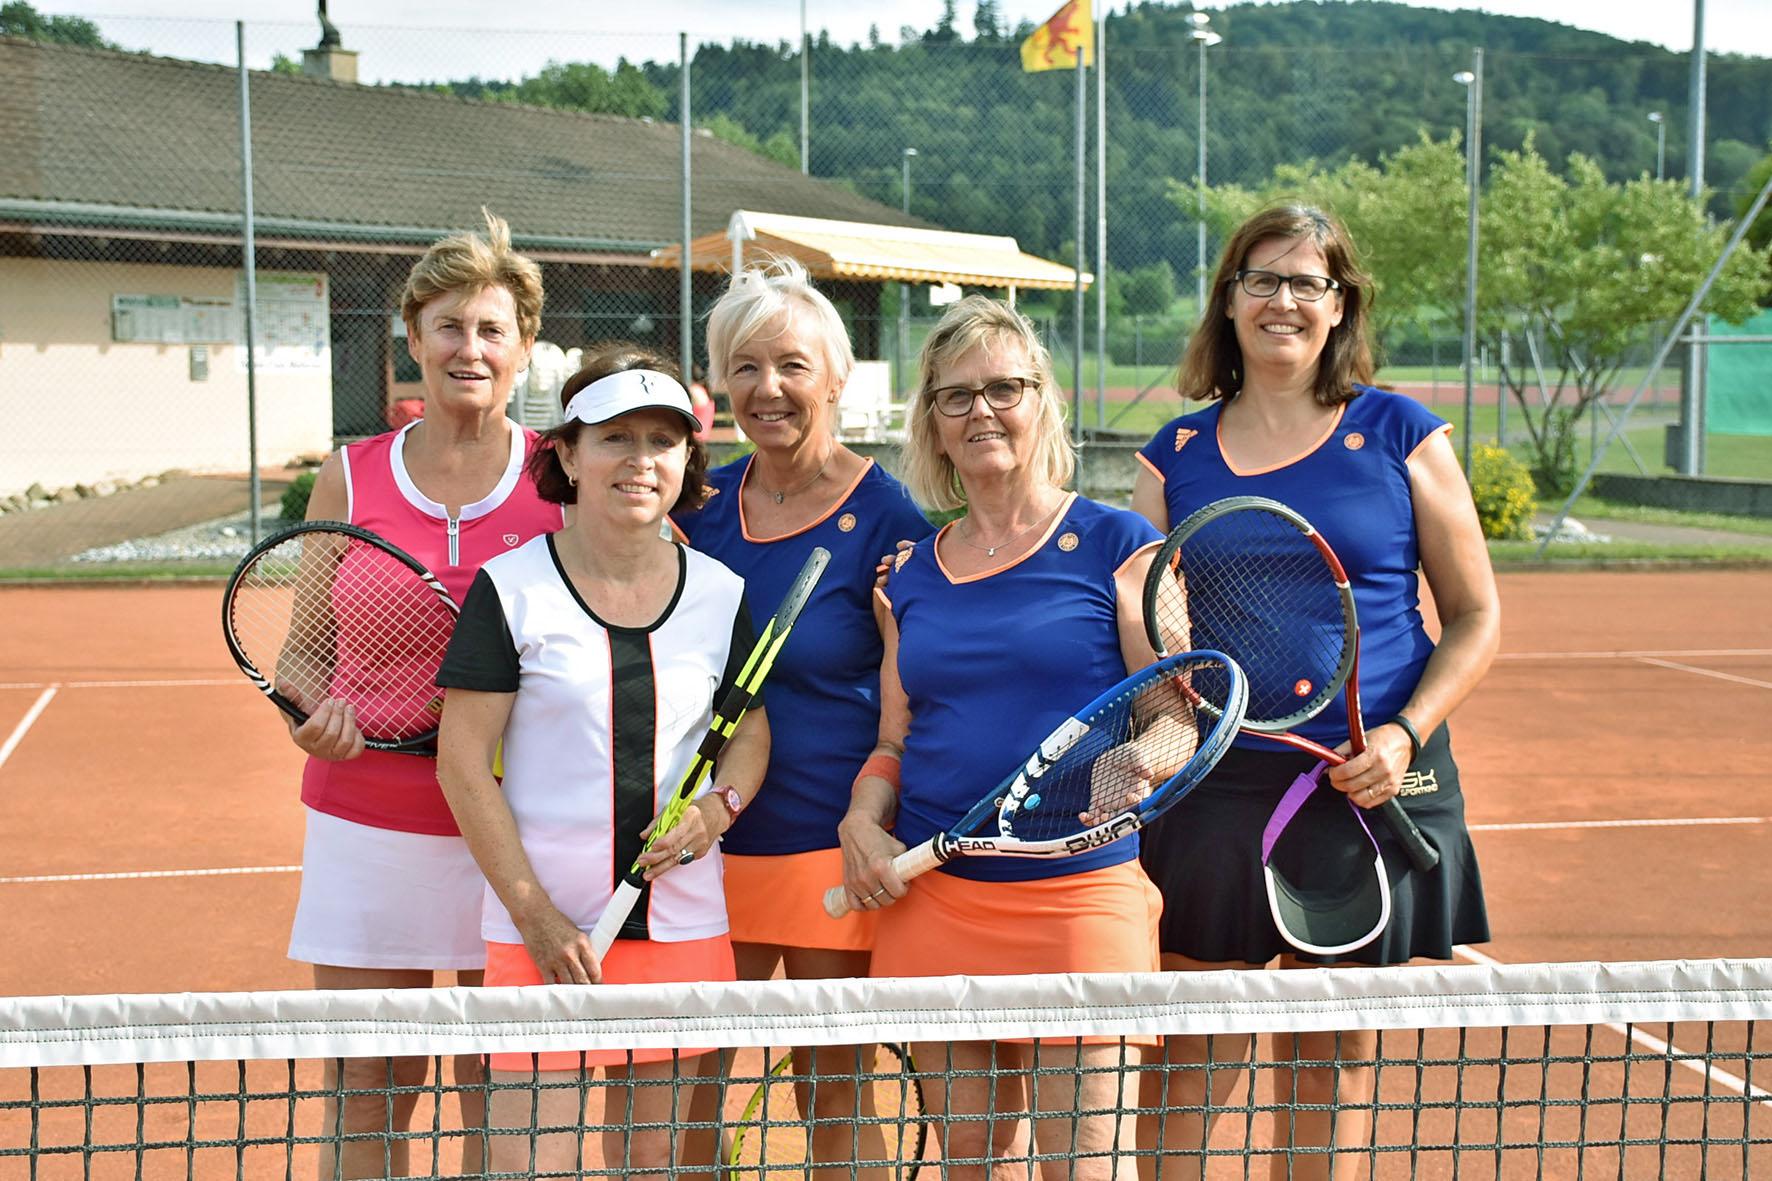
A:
<point x="596" y="654"/>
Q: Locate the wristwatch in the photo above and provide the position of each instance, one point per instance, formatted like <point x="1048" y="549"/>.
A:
<point x="728" y="795"/>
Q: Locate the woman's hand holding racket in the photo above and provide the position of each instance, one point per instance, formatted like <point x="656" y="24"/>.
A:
<point x="344" y="632"/>
<point x="1104" y="773"/>
<point x="1250" y="577"/>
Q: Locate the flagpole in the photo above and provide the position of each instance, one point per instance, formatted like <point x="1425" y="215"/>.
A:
<point x="1082" y="218"/>
<point x="1101" y="263"/>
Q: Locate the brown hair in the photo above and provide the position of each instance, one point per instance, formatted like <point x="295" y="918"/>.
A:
<point x="600" y="361"/>
<point x="978" y="322"/>
<point x="470" y="263"/>
<point x="1212" y="366"/>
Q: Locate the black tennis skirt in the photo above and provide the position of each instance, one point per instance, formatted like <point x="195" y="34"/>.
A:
<point x="1205" y="856"/>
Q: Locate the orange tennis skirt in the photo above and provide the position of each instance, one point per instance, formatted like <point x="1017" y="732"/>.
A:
<point x="779" y="900"/>
<point x="630" y="961"/>
<point x="1103" y="920"/>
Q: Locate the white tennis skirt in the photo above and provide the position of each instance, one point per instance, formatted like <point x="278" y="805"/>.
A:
<point x="377" y="898"/>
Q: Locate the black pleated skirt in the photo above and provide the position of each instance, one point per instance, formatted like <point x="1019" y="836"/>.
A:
<point x="1205" y="856"/>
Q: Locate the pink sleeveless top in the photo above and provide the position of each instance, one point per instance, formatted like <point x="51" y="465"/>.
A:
<point x="398" y="791"/>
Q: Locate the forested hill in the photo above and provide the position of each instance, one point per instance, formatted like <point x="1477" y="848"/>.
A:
<point x="1291" y="82"/>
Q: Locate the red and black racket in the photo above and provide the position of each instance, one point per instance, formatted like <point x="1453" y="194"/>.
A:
<point x="1250" y="577"/>
<point x="328" y="610"/>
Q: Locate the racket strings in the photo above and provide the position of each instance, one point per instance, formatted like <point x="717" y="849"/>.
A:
<point x="1250" y="584"/>
<point x="335" y="617"/>
<point x="1127" y="752"/>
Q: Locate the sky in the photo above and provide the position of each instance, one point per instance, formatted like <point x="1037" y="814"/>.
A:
<point x="419" y="40"/>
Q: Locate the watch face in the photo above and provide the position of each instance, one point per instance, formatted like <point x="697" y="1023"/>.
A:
<point x="730" y="797"/>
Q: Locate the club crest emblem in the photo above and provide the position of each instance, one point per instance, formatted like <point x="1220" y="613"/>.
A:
<point x="846" y="523"/>
<point x="1354" y="441"/>
<point x="511" y="539"/>
<point x="1067" y="542"/>
<point x="1182" y="435"/>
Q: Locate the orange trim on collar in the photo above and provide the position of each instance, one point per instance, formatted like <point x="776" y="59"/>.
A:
<point x="1218" y="430"/>
<point x="1057" y="520"/>
<point x="744" y="527"/>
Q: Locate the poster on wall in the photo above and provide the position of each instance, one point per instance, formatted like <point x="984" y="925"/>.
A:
<point x="293" y="326"/>
<point x="172" y="319"/>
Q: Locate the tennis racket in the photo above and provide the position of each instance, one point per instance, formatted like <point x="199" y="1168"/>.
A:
<point x="1105" y="772"/>
<point x="773" y="1134"/>
<point x="1250" y="577"/>
<point x="328" y="610"/>
<point x="727" y="715"/>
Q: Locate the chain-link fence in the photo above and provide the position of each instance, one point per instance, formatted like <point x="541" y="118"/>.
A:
<point x="122" y="291"/>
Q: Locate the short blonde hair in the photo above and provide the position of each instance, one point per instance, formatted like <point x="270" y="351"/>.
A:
<point x="469" y="263"/>
<point x="971" y="324"/>
<point x="756" y="298"/>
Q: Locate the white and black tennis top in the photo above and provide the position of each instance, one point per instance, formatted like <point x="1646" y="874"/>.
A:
<point x="604" y="723"/>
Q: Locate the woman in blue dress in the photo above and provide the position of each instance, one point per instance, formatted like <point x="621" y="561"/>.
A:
<point x="1283" y="361"/>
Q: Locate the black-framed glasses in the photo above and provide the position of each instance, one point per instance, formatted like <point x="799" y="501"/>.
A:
<point x="1266" y="285"/>
<point x="1001" y="393"/>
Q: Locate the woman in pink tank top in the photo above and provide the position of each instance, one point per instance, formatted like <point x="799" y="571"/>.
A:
<point x="390" y="894"/>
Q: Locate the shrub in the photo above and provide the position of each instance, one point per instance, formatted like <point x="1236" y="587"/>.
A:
<point x="1503" y="490"/>
<point x="295" y="498"/>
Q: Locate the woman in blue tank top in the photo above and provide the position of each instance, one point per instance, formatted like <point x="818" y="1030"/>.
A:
<point x="1019" y="611"/>
<point x="1282" y="360"/>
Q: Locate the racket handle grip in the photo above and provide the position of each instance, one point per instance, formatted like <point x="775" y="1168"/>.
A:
<point x="1422" y="855"/>
<point x="621" y="905"/>
<point x="912" y="863"/>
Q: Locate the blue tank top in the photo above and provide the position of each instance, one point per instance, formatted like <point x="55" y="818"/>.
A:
<point x="991" y="663"/>
<point x="824" y="691"/>
<point x="1354" y="487"/>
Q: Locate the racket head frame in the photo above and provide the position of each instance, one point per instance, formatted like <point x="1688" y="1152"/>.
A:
<point x="1160" y="594"/>
<point x="425" y="743"/>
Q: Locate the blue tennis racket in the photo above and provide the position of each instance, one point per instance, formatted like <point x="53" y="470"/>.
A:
<point x="1105" y="772"/>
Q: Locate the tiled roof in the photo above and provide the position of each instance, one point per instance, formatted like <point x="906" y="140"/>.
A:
<point x="98" y="128"/>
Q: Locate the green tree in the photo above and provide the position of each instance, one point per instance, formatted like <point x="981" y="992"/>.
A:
<point x="1584" y="269"/>
<point x="282" y="63"/>
<point x="18" y="19"/>
<point x="779" y="147"/>
<point x="1147" y="290"/>
<point x="1759" y="235"/>
<point x="1575" y="268"/>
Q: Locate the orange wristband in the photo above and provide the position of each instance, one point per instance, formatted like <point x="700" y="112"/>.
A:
<point x="885" y="766"/>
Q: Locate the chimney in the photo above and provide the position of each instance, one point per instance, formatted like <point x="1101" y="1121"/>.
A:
<point x="329" y="59"/>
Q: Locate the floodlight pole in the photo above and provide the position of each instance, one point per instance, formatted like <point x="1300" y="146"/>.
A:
<point x="904" y="289"/>
<point x="1203" y="36"/>
<point x="248" y="265"/>
<point x="805" y="93"/>
<point x="1692" y="374"/>
<point x="685" y="286"/>
<point x="1660" y="121"/>
<point x="1473" y="172"/>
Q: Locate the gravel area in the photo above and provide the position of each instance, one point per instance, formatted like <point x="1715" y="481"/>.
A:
<point x="224" y="538"/>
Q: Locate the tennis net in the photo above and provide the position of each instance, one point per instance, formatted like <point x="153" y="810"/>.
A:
<point x="1653" y="1069"/>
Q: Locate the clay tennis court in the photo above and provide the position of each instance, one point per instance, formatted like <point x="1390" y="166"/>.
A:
<point x="1617" y="762"/>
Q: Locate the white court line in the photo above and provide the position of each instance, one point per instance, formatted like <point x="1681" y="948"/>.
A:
<point x="1704" y="672"/>
<point x="25" y="723"/>
<point x="148" y="873"/>
<point x="1666" y="822"/>
<point x="168" y="684"/>
<point x="1689" y="653"/>
<point x="1648" y="1040"/>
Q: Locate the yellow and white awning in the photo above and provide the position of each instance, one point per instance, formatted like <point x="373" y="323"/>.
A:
<point x="862" y="250"/>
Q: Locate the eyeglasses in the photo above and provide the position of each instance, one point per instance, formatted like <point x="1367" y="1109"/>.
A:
<point x="1003" y="393"/>
<point x="1266" y="285"/>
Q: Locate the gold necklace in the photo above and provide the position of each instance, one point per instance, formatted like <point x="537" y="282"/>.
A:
<point x="778" y="497"/>
<point x="990" y="551"/>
